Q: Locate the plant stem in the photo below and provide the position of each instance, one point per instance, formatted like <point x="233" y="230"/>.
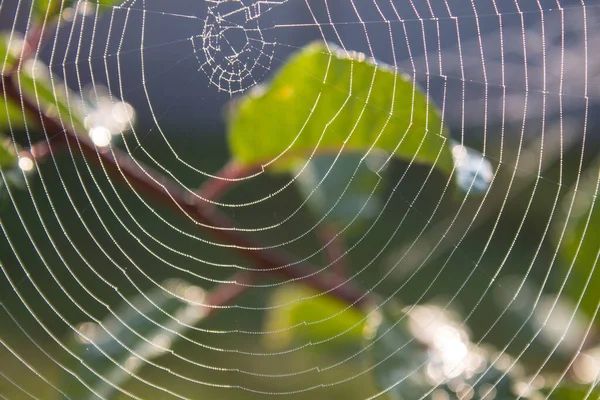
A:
<point x="215" y="188"/>
<point x="335" y="247"/>
<point x="42" y="150"/>
<point x="328" y="235"/>
<point x="161" y="189"/>
<point x="224" y="293"/>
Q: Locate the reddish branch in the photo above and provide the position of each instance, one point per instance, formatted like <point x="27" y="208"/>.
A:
<point x="327" y="233"/>
<point x="43" y="150"/>
<point x="224" y="293"/>
<point x="161" y="189"/>
<point x="215" y="188"/>
<point x="335" y="248"/>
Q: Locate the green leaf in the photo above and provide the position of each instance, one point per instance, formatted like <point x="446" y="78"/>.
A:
<point x="11" y="45"/>
<point x="10" y="51"/>
<point x="53" y="96"/>
<point x="11" y="115"/>
<point x="301" y="315"/>
<point x="50" y="8"/>
<point x="11" y="173"/>
<point x="341" y="188"/>
<point x="579" y="247"/>
<point x="109" y="2"/>
<point x="323" y="99"/>
<point x="573" y="392"/>
<point x="8" y="157"/>
<point x="421" y="350"/>
<point x="112" y="351"/>
<point x="37" y="84"/>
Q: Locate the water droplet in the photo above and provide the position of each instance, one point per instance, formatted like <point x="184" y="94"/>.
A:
<point x="100" y="136"/>
<point x="473" y="171"/>
<point x="26" y="164"/>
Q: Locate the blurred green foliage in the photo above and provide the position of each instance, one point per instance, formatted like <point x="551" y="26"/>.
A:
<point x="301" y="316"/>
<point x="341" y="188"/>
<point x="348" y="103"/>
<point x="259" y="132"/>
<point x="579" y="246"/>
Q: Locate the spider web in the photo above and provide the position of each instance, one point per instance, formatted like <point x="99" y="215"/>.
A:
<point x="517" y="80"/>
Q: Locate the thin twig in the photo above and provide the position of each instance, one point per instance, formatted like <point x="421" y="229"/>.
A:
<point x="161" y="189"/>
<point x="224" y="293"/>
<point x="43" y="150"/>
<point x="328" y="235"/>
<point x="335" y="247"/>
<point x="230" y="174"/>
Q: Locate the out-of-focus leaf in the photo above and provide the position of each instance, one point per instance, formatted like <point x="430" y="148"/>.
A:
<point x="53" y="96"/>
<point x="105" y="117"/>
<point x="10" y="115"/>
<point x="572" y="392"/>
<point x="324" y="98"/>
<point x="37" y="84"/>
<point x="10" y="50"/>
<point x="11" y="45"/>
<point x="302" y="315"/>
<point x="580" y="245"/>
<point x="420" y="351"/>
<point x="8" y="158"/>
<point x="11" y="173"/>
<point x="140" y="332"/>
<point x="50" y="8"/>
<point x="341" y="189"/>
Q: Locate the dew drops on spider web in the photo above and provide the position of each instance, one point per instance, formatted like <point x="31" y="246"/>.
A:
<point x="121" y="277"/>
<point x="233" y="51"/>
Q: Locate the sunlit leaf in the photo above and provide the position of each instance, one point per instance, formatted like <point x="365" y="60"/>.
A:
<point x="50" y="8"/>
<point x="302" y="316"/>
<point x="36" y="83"/>
<point x="324" y="98"/>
